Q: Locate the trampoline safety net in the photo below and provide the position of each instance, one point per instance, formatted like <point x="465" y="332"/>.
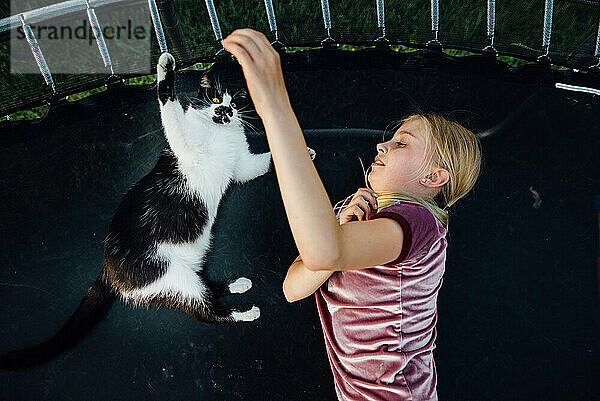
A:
<point x="561" y="32"/>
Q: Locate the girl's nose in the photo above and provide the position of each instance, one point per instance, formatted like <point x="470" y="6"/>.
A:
<point x="381" y="147"/>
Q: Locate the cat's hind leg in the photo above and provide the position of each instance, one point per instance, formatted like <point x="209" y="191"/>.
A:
<point x="221" y="289"/>
<point x="210" y="312"/>
<point x="207" y="310"/>
<point x="182" y="288"/>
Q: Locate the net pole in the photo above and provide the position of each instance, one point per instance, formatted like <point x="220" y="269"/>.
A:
<point x="95" y="24"/>
<point x="158" y="28"/>
<point x="37" y="54"/>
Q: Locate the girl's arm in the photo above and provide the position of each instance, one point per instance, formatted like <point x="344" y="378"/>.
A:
<point x="322" y="243"/>
<point x="301" y="282"/>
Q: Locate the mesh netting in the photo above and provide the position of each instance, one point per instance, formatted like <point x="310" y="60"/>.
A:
<point x="191" y="36"/>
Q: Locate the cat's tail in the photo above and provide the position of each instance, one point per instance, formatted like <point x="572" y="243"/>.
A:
<point x="92" y="309"/>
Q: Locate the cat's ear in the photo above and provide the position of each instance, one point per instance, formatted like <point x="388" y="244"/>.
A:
<point x="205" y="81"/>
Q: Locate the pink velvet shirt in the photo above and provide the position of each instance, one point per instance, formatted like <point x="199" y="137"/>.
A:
<point x="379" y="322"/>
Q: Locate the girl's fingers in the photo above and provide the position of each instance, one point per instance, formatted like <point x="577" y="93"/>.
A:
<point x="251" y="39"/>
<point x="238" y="51"/>
<point x="358" y="212"/>
<point x="255" y="43"/>
<point x="245" y="43"/>
<point x="367" y="199"/>
<point x="365" y="204"/>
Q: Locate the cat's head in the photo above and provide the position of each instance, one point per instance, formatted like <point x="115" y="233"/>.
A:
<point x="222" y="99"/>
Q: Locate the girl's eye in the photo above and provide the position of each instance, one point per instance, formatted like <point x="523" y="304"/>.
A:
<point x="216" y="100"/>
<point x="233" y="105"/>
<point x="400" y="144"/>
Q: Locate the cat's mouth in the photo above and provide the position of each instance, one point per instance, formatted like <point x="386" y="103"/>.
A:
<point x="221" y="119"/>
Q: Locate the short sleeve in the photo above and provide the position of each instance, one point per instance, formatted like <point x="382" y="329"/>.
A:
<point x="420" y="227"/>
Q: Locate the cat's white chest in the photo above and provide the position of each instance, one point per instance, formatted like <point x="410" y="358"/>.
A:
<point x="211" y="170"/>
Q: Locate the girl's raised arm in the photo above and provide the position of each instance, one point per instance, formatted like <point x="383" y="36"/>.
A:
<point x="322" y="243"/>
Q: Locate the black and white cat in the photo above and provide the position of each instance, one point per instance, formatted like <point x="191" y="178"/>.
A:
<point x="161" y="232"/>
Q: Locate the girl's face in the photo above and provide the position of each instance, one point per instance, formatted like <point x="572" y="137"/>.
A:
<point x="398" y="160"/>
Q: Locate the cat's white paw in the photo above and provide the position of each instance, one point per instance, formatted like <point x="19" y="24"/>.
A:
<point x="248" y="316"/>
<point x="312" y="153"/>
<point x="240" y="285"/>
<point x="166" y="62"/>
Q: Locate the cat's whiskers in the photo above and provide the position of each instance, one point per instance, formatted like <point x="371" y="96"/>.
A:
<point x="247" y="124"/>
<point x="246" y="114"/>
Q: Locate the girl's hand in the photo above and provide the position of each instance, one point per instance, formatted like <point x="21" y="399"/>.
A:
<point x="261" y="67"/>
<point x="362" y="205"/>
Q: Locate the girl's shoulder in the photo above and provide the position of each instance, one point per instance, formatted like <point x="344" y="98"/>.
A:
<point x="420" y="227"/>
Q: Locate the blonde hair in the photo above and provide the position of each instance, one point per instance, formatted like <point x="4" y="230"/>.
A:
<point x="450" y="146"/>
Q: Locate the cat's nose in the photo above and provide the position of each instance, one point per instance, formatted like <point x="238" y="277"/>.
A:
<point x="222" y="110"/>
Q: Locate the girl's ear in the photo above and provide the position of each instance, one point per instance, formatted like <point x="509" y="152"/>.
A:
<point x="205" y="82"/>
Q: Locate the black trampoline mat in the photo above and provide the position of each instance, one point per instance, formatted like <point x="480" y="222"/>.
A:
<point x="518" y="310"/>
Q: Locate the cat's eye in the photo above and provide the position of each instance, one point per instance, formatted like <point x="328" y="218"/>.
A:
<point x="233" y="105"/>
<point x="216" y="100"/>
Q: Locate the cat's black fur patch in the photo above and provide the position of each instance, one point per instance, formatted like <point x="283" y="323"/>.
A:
<point x="177" y="217"/>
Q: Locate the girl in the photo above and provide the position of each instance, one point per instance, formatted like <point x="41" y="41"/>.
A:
<point x="383" y="256"/>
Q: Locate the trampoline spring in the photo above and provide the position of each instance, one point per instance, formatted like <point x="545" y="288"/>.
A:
<point x="435" y="16"/>
<point x="435" y="22"/>
<point x="271" y="16"/>
<point x="272" y="22"/>
<point x="328" y="41"/>
<point x="491" y="27"/>
<point x="214" y="20"/>
<point x="37" y="54"/>
<point x="380" y="14"/>
<point x="158" y="29"/>
<point x="95" y="24"/>
<point x="491" y="19"/>
<point x="326" y="15"/>
<point x="381" y="21"/>
<point x="547" y="26"/>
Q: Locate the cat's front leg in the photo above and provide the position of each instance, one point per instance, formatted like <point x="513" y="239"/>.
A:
<point x="165" y="78"/>
<point x="171" y="112"/>
<point x="250" y="166"/>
